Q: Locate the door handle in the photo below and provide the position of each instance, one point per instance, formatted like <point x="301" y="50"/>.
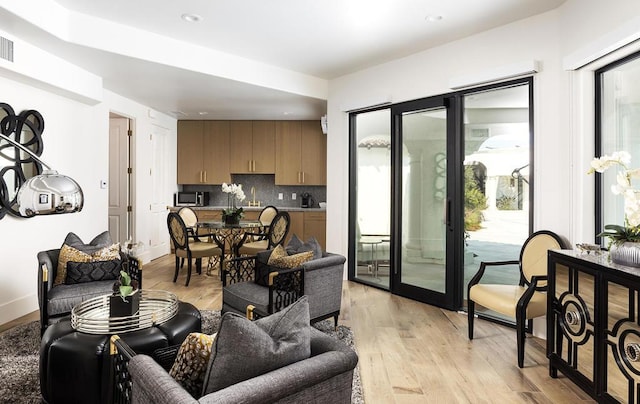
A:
<point x="447" y="213"/>
<point x="205" y="176"/>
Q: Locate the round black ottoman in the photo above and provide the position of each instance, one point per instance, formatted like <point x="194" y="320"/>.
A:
<point x="75" y="366"/>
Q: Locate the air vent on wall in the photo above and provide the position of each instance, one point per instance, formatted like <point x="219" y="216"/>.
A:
<point x="6" y="49"/>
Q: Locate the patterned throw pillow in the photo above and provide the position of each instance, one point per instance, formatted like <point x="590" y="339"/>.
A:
<point x="291" y="261"/>
<point x="68" y="253"/>
<point x="81" y="272"/>
<point x="277" y="253"/>
<point x="191" y="362"/>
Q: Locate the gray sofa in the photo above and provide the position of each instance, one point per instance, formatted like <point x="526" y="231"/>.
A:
<point x="325" y="377"/>
<point x="323" y="278"/>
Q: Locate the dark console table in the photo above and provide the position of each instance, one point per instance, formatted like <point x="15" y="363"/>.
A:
<point x="593" y="324"/>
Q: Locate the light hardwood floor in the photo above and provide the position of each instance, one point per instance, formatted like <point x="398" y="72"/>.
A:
<point x="411" y="352"/>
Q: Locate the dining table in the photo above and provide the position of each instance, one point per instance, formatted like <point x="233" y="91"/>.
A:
<point x="227" y="236"/>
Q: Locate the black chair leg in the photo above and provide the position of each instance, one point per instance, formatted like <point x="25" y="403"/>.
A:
<point x="520" y="331"/>
<point x="181" y="262"/>
<point x="188" y="272"/>
<point x="335" y="321"/>
<point x="199" y="265"/>
<point x="471" y="308"/>
<point x="175" y="275"/>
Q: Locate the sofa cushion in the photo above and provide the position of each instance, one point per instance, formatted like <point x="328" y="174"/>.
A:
<point x="241" y="294"/>
<point x="245" y="349"/>
<point x="81" y="272"/>
<point x="74" y="249"/>
<point x="190" y="365"/>
<point x="63" y="298"/>
<point x="296" y="246"/>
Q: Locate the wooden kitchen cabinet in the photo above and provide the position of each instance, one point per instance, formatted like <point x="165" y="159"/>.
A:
<point x="296" y="227"/>
<point x="301" y="153"/>
<point x="252" y="147"/>
<point x="203" y="156"/>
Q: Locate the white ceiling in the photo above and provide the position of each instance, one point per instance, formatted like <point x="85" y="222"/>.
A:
<point x="276" y="45"/>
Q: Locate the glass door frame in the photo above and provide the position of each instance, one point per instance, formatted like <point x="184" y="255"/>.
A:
<point x="453" y="299"/>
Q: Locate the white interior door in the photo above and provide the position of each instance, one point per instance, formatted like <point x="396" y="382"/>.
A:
<point x="119" y="179"/>
<point x="158" y="237"/>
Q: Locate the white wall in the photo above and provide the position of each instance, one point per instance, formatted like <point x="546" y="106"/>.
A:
<point x="76" y="139"/>
<point x="563" y="125"/>
<point x="429" y="73"/>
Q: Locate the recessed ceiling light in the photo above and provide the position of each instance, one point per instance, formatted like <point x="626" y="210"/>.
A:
<point x="203" y="113"/>
<point x="191" y="17"/>
<point x="286" y="113"/>
<point x="433" y="18"/>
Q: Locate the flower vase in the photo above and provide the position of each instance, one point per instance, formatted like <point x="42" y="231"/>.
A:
<point x="119" y="307"/>
<point x="626" y="253"/>
<point x="232" y="219"/>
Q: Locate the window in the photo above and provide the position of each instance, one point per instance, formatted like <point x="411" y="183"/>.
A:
<point x="617" y="128"/>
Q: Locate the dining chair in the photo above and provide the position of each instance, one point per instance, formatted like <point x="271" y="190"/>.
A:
<point x="267" y="214"/>
<point x="190" y="219"/>
<point x="187" y="247"/>
<point x="524" y="301"/>
<point x="274" y="235"/>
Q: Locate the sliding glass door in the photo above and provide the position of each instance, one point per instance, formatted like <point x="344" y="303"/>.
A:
<point x="371" y="162"/>
<point x="439" y="185"/>
<point x="423" y="198"/>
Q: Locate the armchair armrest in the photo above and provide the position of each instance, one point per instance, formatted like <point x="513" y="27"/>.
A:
<point x="239" y="269"/>
<point x="285" y="287"/>
<point x="483" y="265"/>
<point x="122" y="355"/>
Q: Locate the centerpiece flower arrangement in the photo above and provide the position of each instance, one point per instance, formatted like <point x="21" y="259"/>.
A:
<point x="621" y="235"/>
<point x="232" y="214"/>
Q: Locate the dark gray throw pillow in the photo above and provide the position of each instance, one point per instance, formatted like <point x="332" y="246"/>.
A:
<point x="244" y="349"/>
<point x="296" y="246"/>
<point x="81" y="272"/>
<point x="100" y="241"/>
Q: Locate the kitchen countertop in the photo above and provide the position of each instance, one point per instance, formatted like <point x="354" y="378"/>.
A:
<point x="257" y="208"/>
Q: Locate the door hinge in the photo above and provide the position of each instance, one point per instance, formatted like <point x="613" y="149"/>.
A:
<point x="129" y="170"/>
<point x="150" y="136"/>
<point x="129" y="208"/>
<point x="129" y="132"/>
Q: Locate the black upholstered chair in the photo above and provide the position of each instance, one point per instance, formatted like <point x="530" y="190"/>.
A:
<point x="187" y="247"/>
<point x="57" y="299"/>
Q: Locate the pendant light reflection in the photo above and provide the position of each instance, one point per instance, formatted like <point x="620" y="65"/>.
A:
<point x="47" y="193"/>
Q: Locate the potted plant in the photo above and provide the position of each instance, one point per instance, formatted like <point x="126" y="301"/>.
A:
<point x="624" y="240"/>
<point x="232" y="214"/>
<point x="125" y="300"/>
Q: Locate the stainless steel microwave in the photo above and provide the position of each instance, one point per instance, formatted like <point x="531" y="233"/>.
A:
<point x="191" y="199"/>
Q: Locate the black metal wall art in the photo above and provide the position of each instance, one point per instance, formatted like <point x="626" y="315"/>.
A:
<point x="17" y="166"/>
